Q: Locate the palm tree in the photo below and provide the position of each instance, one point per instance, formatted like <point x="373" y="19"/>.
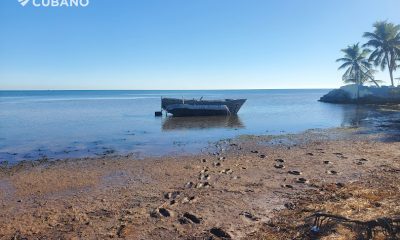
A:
<point x="367" y="77"/>
<point x="386" y="41"/>
<point x="358" y="67"/>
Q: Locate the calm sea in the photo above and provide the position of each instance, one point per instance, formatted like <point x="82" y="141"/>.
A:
<point x="62" y="124"/>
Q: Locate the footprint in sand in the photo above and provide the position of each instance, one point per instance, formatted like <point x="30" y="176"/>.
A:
<point x="189" y="185"/>
<point x="262" y="156"/>
<point x="204" y="176"/>
<point x="340" y="155"/>
<point x="192" y="218"/>
<point x="361" y="161"/>
<point x="203" y="185"/>
<point x="279" y="166"/>
<point x="294" y="172"/>
<point x="189" y="199"/>
<point x="332" y="172"/>
<point x="172" y="195"/>
<point x="226" y="171"/>
<point x="340" y="185"/>
<point x="254" y="151"/>
<point x="249" y="216"/>
<point x="217" y="164"/>
<point x="301" y="180"/>
<point x="327" y="162"/>
<point x="287" y="186"/>
<point x="164" y="212"/>
<point x="218" y="232"/>
<point x="189" y="218"/>
<point x="279" y="160"/>
<point x="290" y="206"/>
<point x="160" y="212"/>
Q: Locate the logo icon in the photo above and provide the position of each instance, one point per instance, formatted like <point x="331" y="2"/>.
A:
<point x="23" y="2"/>
<point x="55" y="3"/>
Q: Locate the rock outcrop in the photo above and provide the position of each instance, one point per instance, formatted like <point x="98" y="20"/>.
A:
<point x="350" y="94"/>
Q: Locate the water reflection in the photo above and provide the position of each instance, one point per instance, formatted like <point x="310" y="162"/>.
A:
<point x="180" y="123"/>
<point x="355" y="115"/>
<point x="374" y="118"/>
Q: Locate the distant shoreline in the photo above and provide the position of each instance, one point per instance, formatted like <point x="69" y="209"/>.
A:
<point x="251" y="89"/>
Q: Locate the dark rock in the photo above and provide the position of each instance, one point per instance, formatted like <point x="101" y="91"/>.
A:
<point x="336" y="96"/>
<point x="381" y="95"/>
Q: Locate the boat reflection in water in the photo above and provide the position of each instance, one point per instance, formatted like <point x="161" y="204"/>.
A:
<point x="181" y="123"/>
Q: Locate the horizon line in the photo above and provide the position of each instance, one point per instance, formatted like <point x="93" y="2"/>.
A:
<point x="214" y="89"/>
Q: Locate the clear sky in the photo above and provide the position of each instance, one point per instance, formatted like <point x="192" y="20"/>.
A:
<point x="183" y="44"/>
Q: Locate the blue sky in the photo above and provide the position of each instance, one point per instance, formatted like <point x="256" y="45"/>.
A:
<point x="183" y="44"/>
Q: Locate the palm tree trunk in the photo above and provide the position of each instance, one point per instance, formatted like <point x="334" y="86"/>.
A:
<point x="390" y="69"/>
<point x="373" y="80"/>
<point x="358" y="86"/>
<point x="391" y="75"/>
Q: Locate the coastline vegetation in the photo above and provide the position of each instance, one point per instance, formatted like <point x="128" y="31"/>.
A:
<point x="381" y="50"/>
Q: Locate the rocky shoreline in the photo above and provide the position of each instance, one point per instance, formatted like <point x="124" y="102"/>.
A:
<point x="350" y="94"/>
<point x="251" y="187"/>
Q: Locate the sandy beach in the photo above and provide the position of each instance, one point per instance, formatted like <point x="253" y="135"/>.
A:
<point x="250" y="187"/>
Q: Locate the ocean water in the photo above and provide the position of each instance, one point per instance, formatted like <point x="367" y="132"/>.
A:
<point x="65" y="124"/>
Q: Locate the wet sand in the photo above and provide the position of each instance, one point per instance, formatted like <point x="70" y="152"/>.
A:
<point x="251" y="187"/>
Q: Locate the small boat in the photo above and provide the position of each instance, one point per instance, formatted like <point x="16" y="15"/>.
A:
<point x="192" y="107"/>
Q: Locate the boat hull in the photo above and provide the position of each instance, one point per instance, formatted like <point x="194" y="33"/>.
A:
<point x="233" y="105"/>
<point x="187" y="110"/>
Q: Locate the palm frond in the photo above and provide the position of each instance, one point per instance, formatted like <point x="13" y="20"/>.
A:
<point x="385" y="39"/>
<point x="344" y="65"/>
<point x="344" y="59"/>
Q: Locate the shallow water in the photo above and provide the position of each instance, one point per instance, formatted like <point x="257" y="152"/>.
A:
<point x="62" y="124"/>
